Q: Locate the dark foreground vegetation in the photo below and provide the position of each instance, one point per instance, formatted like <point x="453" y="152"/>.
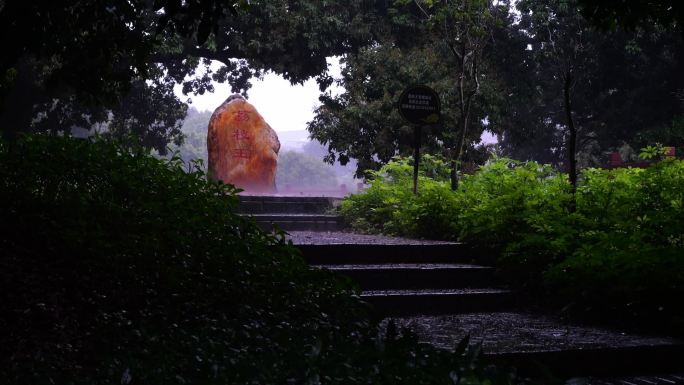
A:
<point x="117" y="267"/>
<point x="616" y="253"/>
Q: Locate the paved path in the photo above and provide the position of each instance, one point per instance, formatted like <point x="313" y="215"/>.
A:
<point x="519" y="338"/>
<point x="506" y="332"/>
<point x="444" y="291"/>
<point x="348" y="237"/>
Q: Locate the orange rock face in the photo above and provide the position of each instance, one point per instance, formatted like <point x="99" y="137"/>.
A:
<point x="243" y="148"/>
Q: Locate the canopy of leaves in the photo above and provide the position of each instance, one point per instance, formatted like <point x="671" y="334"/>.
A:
<point x="623" y="83"/>
<point x="633" y="14"/>
<point x="363" y="122"/>
<point x="81" y="72"/>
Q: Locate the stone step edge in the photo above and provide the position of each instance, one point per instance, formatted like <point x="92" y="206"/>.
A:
<point x="288" y="216"/>
<point x="414" y="293"/>
<point x="312" y="226"/>
<point x="288" y="199"/>
<point x="389" y="266"/>
<point x="595" y="362"/>
<point x="376" y="253"/>
<point x="436" y="302"/>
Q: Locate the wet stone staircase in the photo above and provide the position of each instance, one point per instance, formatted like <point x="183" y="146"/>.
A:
<point x="444" y="291"/>
<point x="291" y="213"/>
<point x="413" y="279"/>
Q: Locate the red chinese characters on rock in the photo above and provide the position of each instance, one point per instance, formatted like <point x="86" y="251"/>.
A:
<point x="242" y="142"/>
<point x="243" y="148"/>
<point x="241" y="116"/>
<point x="240" y="153"/>
<point x="241" y="136"/>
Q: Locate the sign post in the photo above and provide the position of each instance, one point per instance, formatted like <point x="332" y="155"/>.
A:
<point x="419" y="105"/>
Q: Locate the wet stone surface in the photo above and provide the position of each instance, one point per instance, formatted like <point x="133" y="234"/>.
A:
<point x="415" y="266"/>
<point x="427" y="320"/>
<point x="664" y="379"/>
<point x="341" y="237"/>
<point x="518" y="332"/>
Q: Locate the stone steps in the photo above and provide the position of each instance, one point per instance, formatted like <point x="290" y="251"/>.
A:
<point x="448" y="292"/>
<point x="391" y="303"/>
<point x="413" y="278"/>
<point x="444" y="291"/>
<point x="416" y="275"/>
<point x="644" y="361"/>
<point x="252" y="204"/>
<point x="294" y="222"/>
<point x="358" y="254"/>
<point x="661" y="379"/>
<point x="531" y="341"/>
<point x="291" y="213"/>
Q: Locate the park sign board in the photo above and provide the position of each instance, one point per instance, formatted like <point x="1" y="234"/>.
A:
<point x="420" y="105"/>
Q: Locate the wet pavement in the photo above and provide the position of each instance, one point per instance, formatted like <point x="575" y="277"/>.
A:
<point x="343" y="237"/>
<point x="507" y="332"/>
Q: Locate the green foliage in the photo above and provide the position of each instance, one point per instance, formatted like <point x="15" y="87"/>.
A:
<point x="622" y="83"/>
<point x="486" y="209"/>
<point x="301" y="170"/>
<point x="125" y="59"/>
<point x="656" y="152"/>
<point x="507" y="199"/>
<point x="618" y="255"/>
<point x="630" y="15"/>
<point x="389" y="205"/>
<point x="667" y="135"/>
<point x="442" y="49"/>
<point x="627" y="260"/>
<point x="363" y="123"/>
<point x="119" y="267"/>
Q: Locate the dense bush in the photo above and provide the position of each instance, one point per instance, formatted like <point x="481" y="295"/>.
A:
<point x="117" y="267"/>
<point x="628" y="259"/>
<point x="492" y="207"/>
<point x="619" y="253"/>
<point x="388" y="205"/>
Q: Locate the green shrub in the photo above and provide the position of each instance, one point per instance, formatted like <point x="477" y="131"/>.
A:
<point x="494" y="207"/>
<point x="628" y="259"/>
<point x="507" y="201"/>
<point x="389" y="205"/>
<point x="618" y="254"/>
<point x="518" y="210"/>
<point x="116" y="266"/>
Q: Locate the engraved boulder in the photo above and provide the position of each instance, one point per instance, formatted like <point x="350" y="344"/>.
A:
<point x="243" y="148"/>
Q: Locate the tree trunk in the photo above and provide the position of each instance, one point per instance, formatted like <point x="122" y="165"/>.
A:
<point x="416" y="157"/>
<point x="456" y="161"/>
<point x="572" y="141"/>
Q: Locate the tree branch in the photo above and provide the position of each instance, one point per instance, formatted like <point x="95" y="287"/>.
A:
<point x="427" y="15"/>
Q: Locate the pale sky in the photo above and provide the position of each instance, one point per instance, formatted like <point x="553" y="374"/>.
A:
<point x="284" y="106"/>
